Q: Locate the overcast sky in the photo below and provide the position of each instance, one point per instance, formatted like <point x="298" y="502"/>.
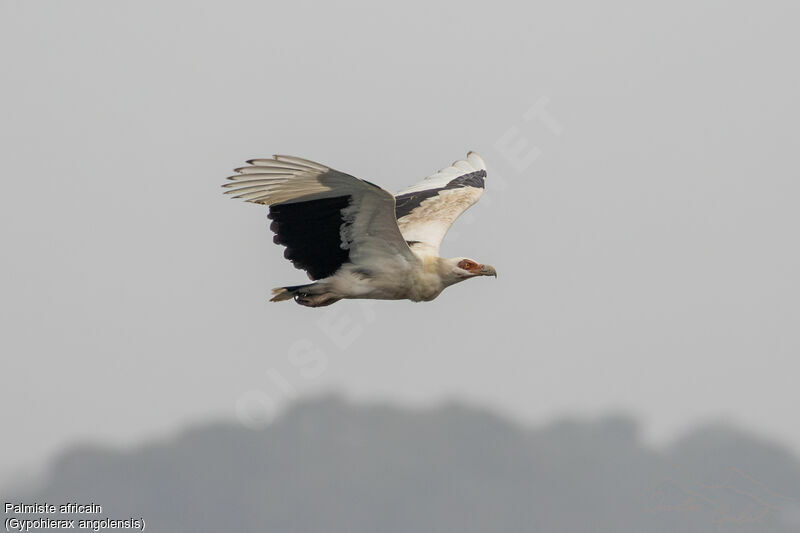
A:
<point x="641" y="210"/>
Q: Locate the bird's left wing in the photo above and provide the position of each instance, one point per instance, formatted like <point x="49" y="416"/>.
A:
<point x="324" y="217"/>
<point x="427" y="210"/>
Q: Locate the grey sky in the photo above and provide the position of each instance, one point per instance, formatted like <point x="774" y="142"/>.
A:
<point x="647" y="258"/>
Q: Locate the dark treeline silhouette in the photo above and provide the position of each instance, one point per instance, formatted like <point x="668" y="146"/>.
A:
<point x="328" y="465"/>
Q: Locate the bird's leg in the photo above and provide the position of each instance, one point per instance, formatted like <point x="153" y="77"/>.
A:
<point x="315" y="300"/>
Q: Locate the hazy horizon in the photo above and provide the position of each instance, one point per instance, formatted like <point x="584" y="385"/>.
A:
<point x="452" y="468"/>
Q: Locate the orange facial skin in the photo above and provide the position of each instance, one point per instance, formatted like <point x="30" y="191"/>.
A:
<point x="471" y="266"/>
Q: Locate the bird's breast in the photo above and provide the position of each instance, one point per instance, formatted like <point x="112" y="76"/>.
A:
<point x="424" y="285"/>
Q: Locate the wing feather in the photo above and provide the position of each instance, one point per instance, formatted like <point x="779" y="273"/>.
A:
<point x="426" y="211"/>
<point x="324" y="217"/>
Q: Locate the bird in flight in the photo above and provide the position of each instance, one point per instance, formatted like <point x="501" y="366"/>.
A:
<point x="357" y="240"/>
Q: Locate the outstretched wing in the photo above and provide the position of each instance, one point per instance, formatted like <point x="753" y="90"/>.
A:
<point x="324" y="217"/>
<point x="427" y="210"/>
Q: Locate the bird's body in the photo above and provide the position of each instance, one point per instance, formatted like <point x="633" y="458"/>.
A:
<point x="358" y="240"/>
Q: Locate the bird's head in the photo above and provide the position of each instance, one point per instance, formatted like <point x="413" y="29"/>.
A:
<point x="460" y="268"/>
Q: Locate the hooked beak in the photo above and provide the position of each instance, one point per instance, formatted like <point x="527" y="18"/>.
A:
<point x="488" y="270"/>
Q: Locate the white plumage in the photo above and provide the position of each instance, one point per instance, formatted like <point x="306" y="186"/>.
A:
<point x="356" y="239"/>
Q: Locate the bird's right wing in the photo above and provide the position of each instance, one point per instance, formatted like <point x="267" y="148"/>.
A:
<point x="427" y="210"/>
<point x="324" y="217"/>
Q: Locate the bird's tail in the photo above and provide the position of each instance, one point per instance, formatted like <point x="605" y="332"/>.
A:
<point x="280" y="294"/>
